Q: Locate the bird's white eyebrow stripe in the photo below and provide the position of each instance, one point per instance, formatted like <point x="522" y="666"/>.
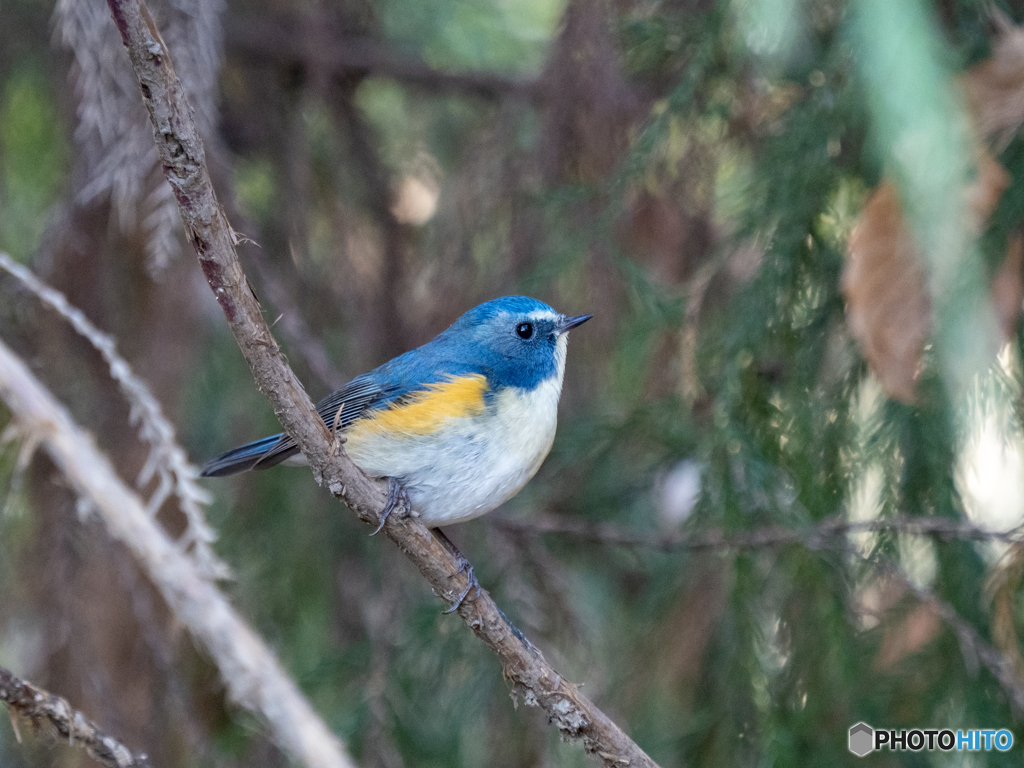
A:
<point x="543" y="314"/>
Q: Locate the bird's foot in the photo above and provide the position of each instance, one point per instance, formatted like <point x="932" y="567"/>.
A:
<point x="464" y="567"/>
<point x="471" y="583"/>
<point x="396" y="494"/>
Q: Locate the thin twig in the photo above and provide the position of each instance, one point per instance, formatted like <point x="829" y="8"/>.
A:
<point x="970" y="639"/>
<point x="167" y="460"/>
<point x="813" y="537"/>
<point x="32" y="703"/>
<point x="183" y="159"/>
<point x="253" y="676"/>
<point x="293" y="325"/>
<point x="829" y="534"/>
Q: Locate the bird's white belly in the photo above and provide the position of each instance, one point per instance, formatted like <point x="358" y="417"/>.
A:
<point x="472" y="464"/>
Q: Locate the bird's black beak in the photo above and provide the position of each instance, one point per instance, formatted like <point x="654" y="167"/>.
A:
<point x="568" y="323"/>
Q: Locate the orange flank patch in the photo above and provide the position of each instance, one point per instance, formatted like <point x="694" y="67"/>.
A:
<point x="423" y="412"/>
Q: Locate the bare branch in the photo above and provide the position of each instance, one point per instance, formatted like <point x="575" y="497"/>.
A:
<point x="182" y="156"/>
<point x="970" y="639"/>
<point x="252" y="674"/>
<point x="815" y="537"/>
<point x="166" y="460"/>
<point x="38" y="706"/>
<point x="828" y="534"/>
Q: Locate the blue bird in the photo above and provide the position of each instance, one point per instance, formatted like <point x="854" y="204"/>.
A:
<point x="457" y="426"/>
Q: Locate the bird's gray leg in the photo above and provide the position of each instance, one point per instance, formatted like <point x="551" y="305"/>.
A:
<point x="396" y="494"/>
<point x="464" y="567"/>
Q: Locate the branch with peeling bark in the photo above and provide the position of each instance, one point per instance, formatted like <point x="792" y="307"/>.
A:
<point x="181" y="153"/>
<point x="29" y="702"/>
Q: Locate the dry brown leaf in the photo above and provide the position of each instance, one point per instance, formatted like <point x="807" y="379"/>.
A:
<point x="888" y="307"/>
<point x="909" y="636"/>
<point x="887" y="303"/>
<point x="884" y="280"/>
<point x="995" y="87"/>
<point x="1008" y="288"/>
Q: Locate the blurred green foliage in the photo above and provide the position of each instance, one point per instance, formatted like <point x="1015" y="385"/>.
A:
<point x="33" y="158"/>
<point x="509" y="35"/>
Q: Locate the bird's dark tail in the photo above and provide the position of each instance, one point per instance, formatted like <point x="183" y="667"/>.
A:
<point x="246" y="457"/>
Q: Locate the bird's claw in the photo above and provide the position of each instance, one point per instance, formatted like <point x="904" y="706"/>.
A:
<point x="471" y="582"/>
<point x="396" y="494"/>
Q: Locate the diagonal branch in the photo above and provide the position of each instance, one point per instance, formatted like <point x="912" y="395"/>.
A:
<point x="166" y="458"/>
<point x="181" y="153"/>
<point x="36" y="705"/>
<point x="252" y="674"/>
<point x="971" y="641"/>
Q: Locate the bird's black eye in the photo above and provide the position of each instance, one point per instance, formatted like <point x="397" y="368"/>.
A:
<point x="524" y="330"/>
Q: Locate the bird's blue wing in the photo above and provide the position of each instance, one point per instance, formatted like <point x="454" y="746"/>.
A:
<point x="363" y="393"/>
<point x="397" y="378"/>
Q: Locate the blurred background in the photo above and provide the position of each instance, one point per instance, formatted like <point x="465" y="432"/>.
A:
<point x="796" y="225"/>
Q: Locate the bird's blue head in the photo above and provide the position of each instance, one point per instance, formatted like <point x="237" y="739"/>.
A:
<point x="515" y="340"/>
